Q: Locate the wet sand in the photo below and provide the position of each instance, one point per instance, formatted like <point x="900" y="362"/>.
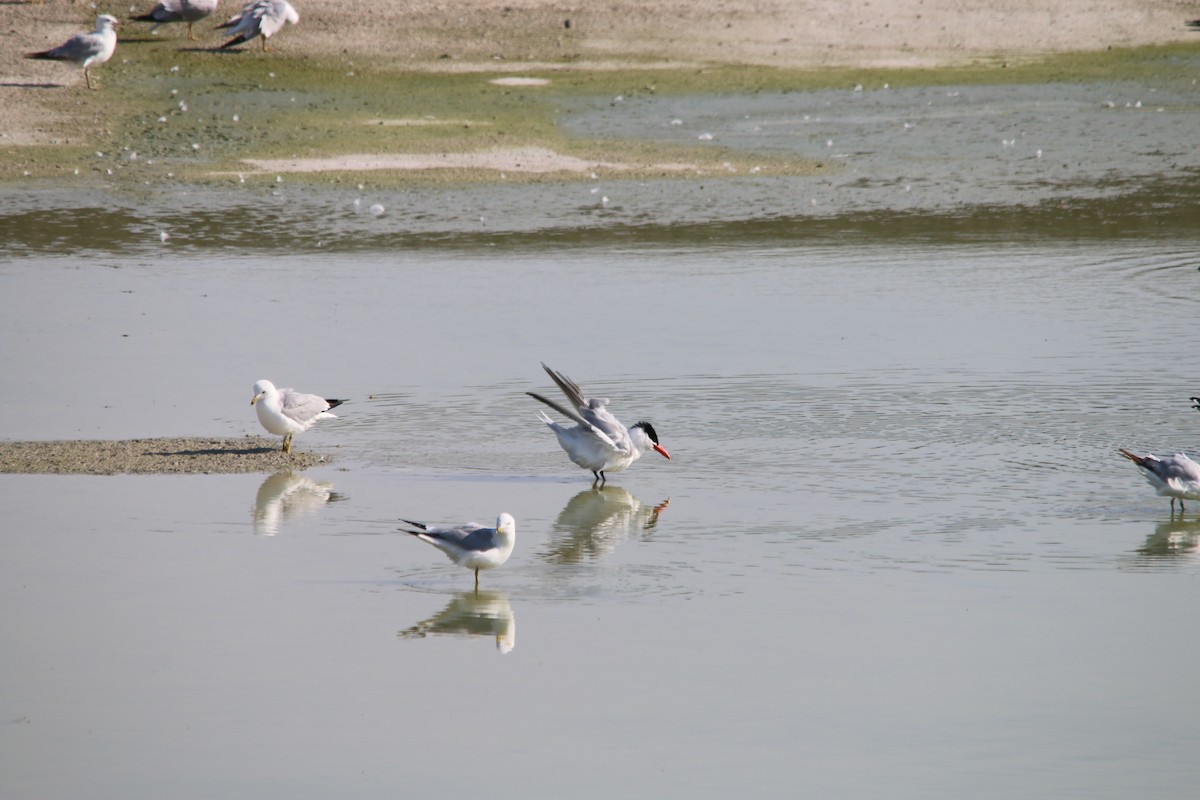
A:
<point x="174" y="455"/>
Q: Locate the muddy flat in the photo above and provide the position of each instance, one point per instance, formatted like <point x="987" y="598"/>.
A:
<point x="178" y="455"/>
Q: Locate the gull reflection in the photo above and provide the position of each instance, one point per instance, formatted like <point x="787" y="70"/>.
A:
<point x="1178" y="537"/>
<point x="287" y="496"/>
<point x="596" y="520"/>
<point x="471" y="614"/>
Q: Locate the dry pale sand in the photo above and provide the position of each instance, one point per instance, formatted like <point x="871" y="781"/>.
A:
<point x="500" y="35"/>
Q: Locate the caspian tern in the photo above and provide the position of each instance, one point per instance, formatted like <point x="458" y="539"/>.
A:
<point x="86" y="50"/>
<point x="286" y="412"/>
<point x="1174" y="476"/>
<point x="260" y="18"/>
<point x="189" y="11"/>
<point x="598" y="441"/>
<point x="472" y="546"/>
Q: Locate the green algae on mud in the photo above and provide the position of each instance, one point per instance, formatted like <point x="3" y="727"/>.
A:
<point x="195" y="114"/>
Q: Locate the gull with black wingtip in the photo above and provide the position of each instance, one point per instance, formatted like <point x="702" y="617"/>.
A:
<point x="86" y="50"/>
<point x="472" y="545"/>
<point x="286" y="412"/>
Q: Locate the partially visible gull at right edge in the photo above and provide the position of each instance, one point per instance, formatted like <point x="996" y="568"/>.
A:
<point x="597" y="441"/>
<point x="189" y="11"/>
<point x="260" y="18"/>
<point x="1176" y="477"/>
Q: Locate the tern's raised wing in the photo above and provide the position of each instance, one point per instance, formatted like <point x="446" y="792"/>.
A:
<point x="591" y="413"/>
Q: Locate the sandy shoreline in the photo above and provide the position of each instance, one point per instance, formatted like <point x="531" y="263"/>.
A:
<point x="173" y="455"/>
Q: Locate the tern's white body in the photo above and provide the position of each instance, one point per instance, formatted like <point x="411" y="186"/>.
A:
<point x="472" y="546"/>
<point x="86" y="50"/>
<point x="597" y="441"/>
<point x="1176" y="477"/>
<point x="286" y="412"/>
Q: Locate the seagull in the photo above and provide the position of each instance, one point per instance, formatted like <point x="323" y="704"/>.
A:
<point x="86" y="50"/>
<point x="286" y="412"/>
<point x="1196" y="402"/>
<point x="472" y="546"/>
<point x="189" y="11"/>
<point x="598" y="441"/>
<point x="262" y="18"/>
<point x="1174" y="476"/>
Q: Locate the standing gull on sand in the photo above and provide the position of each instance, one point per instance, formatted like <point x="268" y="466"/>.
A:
<point x="189" y="11"/>
<point x="286" y="412"/>
<point x="472" y="546"/>
<point x="598" y="441"/>
<point x="1174" y="476"/>
<point x="262" y="18"/>
<point x="86" y="50"/>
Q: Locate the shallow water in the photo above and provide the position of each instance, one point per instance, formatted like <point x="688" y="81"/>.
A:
<point x="895" y="551"/>
<point x="895" y="546"/>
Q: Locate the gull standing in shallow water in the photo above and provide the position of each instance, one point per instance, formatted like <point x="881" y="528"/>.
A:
<point x="286" y="412"/>
<point x="262" y="18"/>
<point x="1174" y="476"/>
<point x="472" y="546"/>
<point x="598" y="441"/>
<point x="86" y="50"/>
<point x="189" y="11"/>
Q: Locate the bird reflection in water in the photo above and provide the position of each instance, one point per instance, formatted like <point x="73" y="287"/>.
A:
<point x="471" y="614"/>
<point x="596" y="520"/>
<point x="285" y="497"/>
<point x="1176" y="538"/>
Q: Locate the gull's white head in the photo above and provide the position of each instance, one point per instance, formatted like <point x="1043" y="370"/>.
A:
<point x="261" y="389"/>
<point x="106" y="22"/>
<point x="506" y="526"/>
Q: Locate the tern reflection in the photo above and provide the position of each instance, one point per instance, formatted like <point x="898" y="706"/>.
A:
<point x="287" y="496"/>
<point x="471" y="614"/>
<point x="596" y="520"/>
<point x="1178" y="537"/>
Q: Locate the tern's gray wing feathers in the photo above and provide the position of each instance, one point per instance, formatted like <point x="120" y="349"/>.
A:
<point x="584" y="417"/>
<point x="589" y="413"/>
<point x="569" y="387"/>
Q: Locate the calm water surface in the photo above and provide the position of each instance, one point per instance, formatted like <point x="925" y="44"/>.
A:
<point x="895" y="553"/>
